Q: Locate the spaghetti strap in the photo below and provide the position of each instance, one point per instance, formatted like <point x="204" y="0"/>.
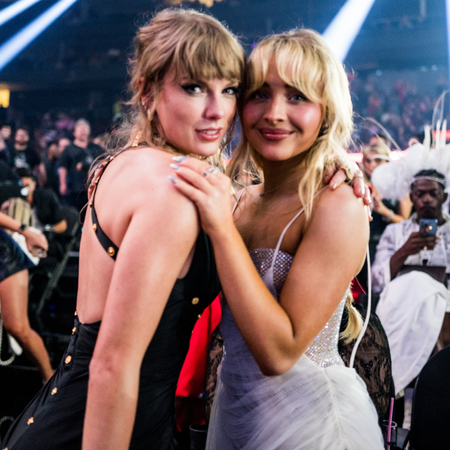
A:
<point x="268" y="276"/>
<point x="241" y="193"/>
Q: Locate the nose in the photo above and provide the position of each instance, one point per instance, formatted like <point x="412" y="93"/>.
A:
<point x="427" y="199"/>
<point x="215" y="107"/>
<point x="275" y="109"/>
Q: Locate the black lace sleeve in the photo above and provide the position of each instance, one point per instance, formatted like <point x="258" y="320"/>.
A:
<point x="215" y="352"/>
<point x="372" y="362"/>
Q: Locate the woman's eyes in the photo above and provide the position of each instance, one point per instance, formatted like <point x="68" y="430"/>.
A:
<point x="233" y="90"/>
<point x="198" y="89"/>
<point x="258" y="95"/>
<point x="192" y="88"/>
<point x="298" y="97"/>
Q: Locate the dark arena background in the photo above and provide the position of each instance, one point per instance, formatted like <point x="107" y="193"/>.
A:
<point x="62" y="60"/>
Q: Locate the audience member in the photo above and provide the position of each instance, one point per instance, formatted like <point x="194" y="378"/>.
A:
<point x="5" y="132"/>
<point x="412" y="305"/>
<point x="49" y="166"/>
<point x="14" y="265"/>
<point x="45" y="205"/>
<point x="5" y="154"/>
<point x="385" y="211"/>
<point x="74" y="165"/>
<point x="21" y="154"/>
<point x="379" y="138"/>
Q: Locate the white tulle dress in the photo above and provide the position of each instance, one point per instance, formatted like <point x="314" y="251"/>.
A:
<point x="319" y="404"/>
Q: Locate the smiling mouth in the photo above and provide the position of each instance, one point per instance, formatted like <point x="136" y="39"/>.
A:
<point x="275" y="134"/>
<point x="210" y="134"/>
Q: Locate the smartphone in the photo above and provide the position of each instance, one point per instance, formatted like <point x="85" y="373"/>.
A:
<point x="427" y="223"/>
<point x="39" y="252"/>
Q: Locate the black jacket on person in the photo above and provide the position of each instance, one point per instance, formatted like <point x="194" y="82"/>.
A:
<point x="47" y="207"/>
<point x="27" y="158"/>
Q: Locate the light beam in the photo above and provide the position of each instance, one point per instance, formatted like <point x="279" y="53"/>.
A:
<point x="344" y="28"/>
<point x="15" y="9"/>
<point x="11" y="48"/>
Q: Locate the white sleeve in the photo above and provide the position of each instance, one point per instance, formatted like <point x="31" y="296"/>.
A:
<point x="381" y="271"/>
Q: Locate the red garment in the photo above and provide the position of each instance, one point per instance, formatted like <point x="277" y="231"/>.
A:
<point x="192" y="377"/>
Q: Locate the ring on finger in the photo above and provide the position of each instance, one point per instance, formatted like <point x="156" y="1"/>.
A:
<point x="213" y="169"/>
<point x="348" y="172"/>
<point x="210" y="170"/>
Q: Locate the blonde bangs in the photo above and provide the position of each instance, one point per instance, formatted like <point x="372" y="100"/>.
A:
<point x="210" y="55"/>
<point x="187" y="43"/>
<point x="295" y="66"/>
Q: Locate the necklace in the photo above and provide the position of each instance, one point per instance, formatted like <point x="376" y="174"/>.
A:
<point x="281" y="185"/>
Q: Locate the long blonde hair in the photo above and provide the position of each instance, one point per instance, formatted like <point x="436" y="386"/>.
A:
<point x="304" y="61"/>
<point x="179" y="41"/>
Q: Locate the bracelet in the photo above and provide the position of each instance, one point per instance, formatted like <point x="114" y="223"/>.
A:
<point x="389" y="217"/>
<point x="22" y="228"/>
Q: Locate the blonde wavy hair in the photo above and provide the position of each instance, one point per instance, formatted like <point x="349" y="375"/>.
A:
<point x="176" y="41"/>
<point x="304" y="61"/>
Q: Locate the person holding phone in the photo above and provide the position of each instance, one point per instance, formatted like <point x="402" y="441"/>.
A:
<point x="406" y="242"/>
<point x="413" y="305"/>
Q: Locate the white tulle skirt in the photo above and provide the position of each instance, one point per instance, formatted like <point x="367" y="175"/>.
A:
<point x="309" y="407"/>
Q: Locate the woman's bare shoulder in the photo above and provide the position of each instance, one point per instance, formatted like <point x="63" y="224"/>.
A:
<point x="140" y="177"/>
<point x="341" y="199"/>
<point x="341" y="209"/>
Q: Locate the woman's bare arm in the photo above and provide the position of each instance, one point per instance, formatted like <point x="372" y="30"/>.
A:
<point x="32" y="238"/>
<point x="158" y="240"/>
<point x="329" y="256"/>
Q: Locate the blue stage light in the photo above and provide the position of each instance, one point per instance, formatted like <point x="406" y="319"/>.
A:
<point x="447" y="7"/>
<point x="11" y="48"/>
<point x="344" y="28"/>
<point x="15" y="9"/>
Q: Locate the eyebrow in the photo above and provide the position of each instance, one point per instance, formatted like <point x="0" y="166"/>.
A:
<point x="266" y="84"/>
<point x="421" y="191"/>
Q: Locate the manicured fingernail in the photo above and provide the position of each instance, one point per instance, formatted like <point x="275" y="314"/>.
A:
<point x="174" y="166"/>
<point x="172" y="179"/>
<point x="334" y="187"/>
<point x="179" y="158"/>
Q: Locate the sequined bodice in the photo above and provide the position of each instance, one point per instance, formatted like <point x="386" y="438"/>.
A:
<point x="324" y="349"/>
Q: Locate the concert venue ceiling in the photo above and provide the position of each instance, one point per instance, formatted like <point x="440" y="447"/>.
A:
<point x="396" y="34"/>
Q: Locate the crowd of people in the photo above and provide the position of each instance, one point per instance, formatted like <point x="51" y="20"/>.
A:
<point x="143" y="284"/>
<point x="402" y="108"/>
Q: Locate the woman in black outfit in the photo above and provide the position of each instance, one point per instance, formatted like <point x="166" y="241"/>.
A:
<point x="147" y="270"/>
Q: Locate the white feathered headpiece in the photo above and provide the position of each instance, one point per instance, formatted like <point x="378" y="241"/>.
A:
<point x="393" y="180"/>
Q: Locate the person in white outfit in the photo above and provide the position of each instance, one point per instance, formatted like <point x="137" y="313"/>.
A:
<point x="412" y="305"/>
<point x="286" y="256"/>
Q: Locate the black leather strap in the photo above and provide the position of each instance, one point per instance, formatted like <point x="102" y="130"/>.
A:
<point x="104" y="240"/>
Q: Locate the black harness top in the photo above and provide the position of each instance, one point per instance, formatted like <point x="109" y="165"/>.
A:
<point x="104" y="240"/>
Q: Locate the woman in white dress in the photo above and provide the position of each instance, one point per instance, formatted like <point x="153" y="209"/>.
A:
<point x="286" y="254"/>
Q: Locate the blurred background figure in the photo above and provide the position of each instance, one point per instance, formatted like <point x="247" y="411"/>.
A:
<point x="21" y="153"/>
<point x="74" y="165"/>
<point x="46" y="208"/>
<point x="49" y="164"/>
<point x="385" y="210"/>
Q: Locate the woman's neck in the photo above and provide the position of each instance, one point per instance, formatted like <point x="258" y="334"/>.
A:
<point x="281" y="177"/>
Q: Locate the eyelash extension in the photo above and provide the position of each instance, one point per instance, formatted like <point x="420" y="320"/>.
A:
<point x="189" y="88"/>
<point x="236" y="89"/>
